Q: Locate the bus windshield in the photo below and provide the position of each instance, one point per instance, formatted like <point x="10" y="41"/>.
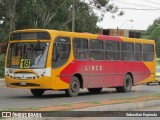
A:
<point x="27" y="55"/>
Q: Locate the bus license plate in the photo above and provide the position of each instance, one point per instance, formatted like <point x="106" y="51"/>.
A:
<point x="23" y="83"/>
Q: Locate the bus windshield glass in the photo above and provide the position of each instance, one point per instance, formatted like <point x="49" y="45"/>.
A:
<point x="28" y="55"/>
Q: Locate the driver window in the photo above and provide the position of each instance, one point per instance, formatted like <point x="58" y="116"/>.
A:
<point x="61" y="51"/>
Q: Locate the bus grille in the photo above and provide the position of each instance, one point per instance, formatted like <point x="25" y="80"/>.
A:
<point x="27" y="84"/>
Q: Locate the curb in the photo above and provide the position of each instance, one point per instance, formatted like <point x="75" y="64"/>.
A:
<point x="2" y="82"/>
<point x="123" y="107"/>
<point x="1" y="79"/>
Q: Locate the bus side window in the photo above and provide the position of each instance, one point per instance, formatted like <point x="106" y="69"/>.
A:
<point x="80" y="48"/>
<point x="61" y="51"/>
<point x="148" y="52"/>
<point x="96" y="49"/>
<point x="138" y="52"/>
<point x="127" y="51"/>
<point x="112" y="50"/>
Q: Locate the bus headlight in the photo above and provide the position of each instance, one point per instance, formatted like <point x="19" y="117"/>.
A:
<point x="10" y="70"/>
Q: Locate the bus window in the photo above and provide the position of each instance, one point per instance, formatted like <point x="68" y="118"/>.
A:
<point x="61" y="51"/>
<point x="148" y="52"/>
<point x="112" y="50"/>
<point x="138" y="52"/>
<point x="80" y="48"/>
<point x="33" y="54"/>
<point x="96" y="50"/>
<point x="127" y="51"/>
<point x="30" y="36"/>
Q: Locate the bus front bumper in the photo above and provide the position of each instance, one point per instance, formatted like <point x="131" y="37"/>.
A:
<point x="37" y="83"/>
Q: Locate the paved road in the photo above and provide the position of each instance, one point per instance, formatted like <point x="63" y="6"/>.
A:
<point x="21" y="98"/>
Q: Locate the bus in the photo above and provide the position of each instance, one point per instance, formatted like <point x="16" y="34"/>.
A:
<point x="42" y="59"/>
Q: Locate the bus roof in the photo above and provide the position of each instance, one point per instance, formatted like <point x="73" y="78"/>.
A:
<point x="87" y="35"/>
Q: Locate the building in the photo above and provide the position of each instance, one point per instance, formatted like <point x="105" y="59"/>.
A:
<point x="122" y="32"/>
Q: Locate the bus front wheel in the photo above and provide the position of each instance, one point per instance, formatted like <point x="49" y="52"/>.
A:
<point x="127" y="85"/>
<point x="37" y="92"/>
<point x="74" y="87"/>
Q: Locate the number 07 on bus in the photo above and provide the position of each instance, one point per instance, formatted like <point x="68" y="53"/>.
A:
<point x="41" y="59"/>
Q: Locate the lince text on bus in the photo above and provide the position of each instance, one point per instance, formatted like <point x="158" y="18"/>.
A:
<point x="93" y="67"/>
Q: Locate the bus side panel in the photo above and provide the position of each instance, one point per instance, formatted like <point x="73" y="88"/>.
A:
<point x="97" y="74"/>
<point x="94" y="73"/>
<point x="109" y="74"/>
<point x="120" y="71"/>
<point x="150" y="71"/>
<point x="105" y="74"/>
<point x="137" y="69"/>
<point x="75" y="67"/>
<point x="57" y="82"/>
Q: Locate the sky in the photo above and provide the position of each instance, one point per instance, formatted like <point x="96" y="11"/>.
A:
<point x="132" y="19"/>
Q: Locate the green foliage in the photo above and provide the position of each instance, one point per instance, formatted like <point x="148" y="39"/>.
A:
<point x="153" y="30"/>
<point x="85" y="23"/>
<point x="158" y="48"/>
<point x="51" y="14"/>
<point x="153" y="33"/>
<point x="2" y="60"/>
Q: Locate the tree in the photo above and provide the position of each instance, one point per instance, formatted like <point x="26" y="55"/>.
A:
<point x="30" y="13"/>
<point x="8" y="7"/>
<point x="85" y="19"/>
<point x="103" y="6"/>
<point x="158" y="48"/>
<point x="40" y="13"/>
<point x="152" y="32"/>
<point x="51" y="9"/>
<point x="52" y="14"/>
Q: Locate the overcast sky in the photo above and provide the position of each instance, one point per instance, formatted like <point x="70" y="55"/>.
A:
<point x="141" y="18"/>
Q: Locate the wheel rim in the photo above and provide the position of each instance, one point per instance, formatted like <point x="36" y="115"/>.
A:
<point x="128" y="84"/>
<point x="74" y="86"/>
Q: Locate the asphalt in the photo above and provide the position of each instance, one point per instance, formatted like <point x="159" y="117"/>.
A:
<point x="116" y="107"/>
<point x="113" y="107"/>
<point x="2" y="82"/>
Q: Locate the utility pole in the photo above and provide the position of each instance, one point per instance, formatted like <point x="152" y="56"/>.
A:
<point x="73" y="15"/>
<point x="117" y="31"/>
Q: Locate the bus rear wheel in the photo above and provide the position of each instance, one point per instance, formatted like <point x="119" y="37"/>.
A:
<point x="94" y="90"/>
<point x="127" y="85"/>
<point x="37" y="92"/>
<point x="74" y="87"/>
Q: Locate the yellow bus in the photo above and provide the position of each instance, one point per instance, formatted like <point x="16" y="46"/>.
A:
<point x="42" y="59"/>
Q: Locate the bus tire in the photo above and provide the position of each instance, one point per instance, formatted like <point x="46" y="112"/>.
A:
<point x="148" y="83"/>
<point x="127" y="85"/>
<point x="37" y="92"/>
<point x="94" y="90"/>
<point x="74" y="87"/>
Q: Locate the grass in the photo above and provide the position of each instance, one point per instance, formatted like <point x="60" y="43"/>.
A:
<point x="20" y="109"/>
<point x="33" y="108"/>
<point x="95" y="102"/>
<point x="68" y="105"/>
